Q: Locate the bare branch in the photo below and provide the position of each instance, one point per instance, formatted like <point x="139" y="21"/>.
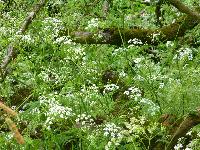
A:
<point x="14" y="130"/>
<point x="116" y="36"/>
<point x="184" y="9"/>
<point x="8" y="57"/>
<point x="32" y="15"/>
<point x="8" y="110"/>
<point x="11" y="52"/>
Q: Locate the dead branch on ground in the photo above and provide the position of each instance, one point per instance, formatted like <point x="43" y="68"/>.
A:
<point x="11" y="51"/>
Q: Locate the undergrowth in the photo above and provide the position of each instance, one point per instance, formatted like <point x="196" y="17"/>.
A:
<point x="79" y="96"/>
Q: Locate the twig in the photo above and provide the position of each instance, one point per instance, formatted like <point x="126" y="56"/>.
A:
<point x="32" y="15"/>
<point x="11" y="52"/>
<point x="15" y="130"/>
<point x="8" y="110"/>
<point x="184" y="9"/>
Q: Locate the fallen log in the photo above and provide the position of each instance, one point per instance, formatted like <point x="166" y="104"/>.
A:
<point x="118" y="36"/>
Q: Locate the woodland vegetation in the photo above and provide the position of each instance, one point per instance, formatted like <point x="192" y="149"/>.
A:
<point x="100" y="74"/>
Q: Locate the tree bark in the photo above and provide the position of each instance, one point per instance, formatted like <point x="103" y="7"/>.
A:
<point x="184" y="9"/>
<point x="190" y="121"/>
<point x="116" y="36"/>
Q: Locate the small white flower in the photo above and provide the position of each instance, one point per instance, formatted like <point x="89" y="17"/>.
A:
<point x="77" y="120"/>
<point x="93" y="23"/>
<point x="9" y="136"/>
<point x="135" y="41"/>
<point x="147" y="1"/>
<point x="198" y="134"/>
<point x="169" y="44"/>
<point x="161" y="85"/>
<point x="108" y="145"/>
<point x="113" y="134"/>
<point x="83" y="123"/>
<point x="189" y="133"/>
<point x="110" y="87"/>
<point x="137" y="60"/>
<point x="178" y="146"/>
<point x="119" y="50"/>
<point x="155" y="36"/>
<point x="126" y="92"/>
<point x="64" y="40"/>
<point x="27" y="38"/>
<point x="106" y="133"/>
<point x="184" y="52"/>
<point x="48" y="128"/>
<point x="122" y="74"/>
<point x="13" y="107"/>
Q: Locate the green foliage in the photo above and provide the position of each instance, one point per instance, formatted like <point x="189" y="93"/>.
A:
<point x="56" y="84"/>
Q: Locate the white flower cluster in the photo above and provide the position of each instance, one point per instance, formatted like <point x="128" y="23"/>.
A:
<point x="134" y="129"/>
<point x="53" y="25"/>
<point x="119" y="50"/>
<point x="4" y="31"/>
<point x="79" y="51"/>
<point x="146" y="1"/>
<point x="129" y="17"/>
<point x="8" y="136"/>
<point x="169" y="44"/>
<point x="155" y="74"/>
<point x="64" y="40"/>
<point x="85" y="120"/>
<point x="110" y="88"/>
<point x="150" y="106"/>
<point x="184" y="52"/>
<point x="52" y="20"/>
<point x="57" y="2"/>
<point x="27" y="38"/>
<point x="122" y="74"/>
<point x="192" y="144"/>
<point x="35" y="111"/>
<point x="94" y="88"/>
<point x="111" y="130"/>
<point x="179" y="145"/>
<point x="75" y="53"/>
<point x="114" y="133"/>
<point x="54" y="110"/>
<point x="133" y="92"/>
<point x="135" y="41"/>
<point x="93" y="23"/>
<point x="20" y="37"/>
<point x="50" y="75"/>
<point x="135" y="126"/>
<point x="161" y="85"/>
<point x="138" y="62"/>
<point x="155" y="36"/>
